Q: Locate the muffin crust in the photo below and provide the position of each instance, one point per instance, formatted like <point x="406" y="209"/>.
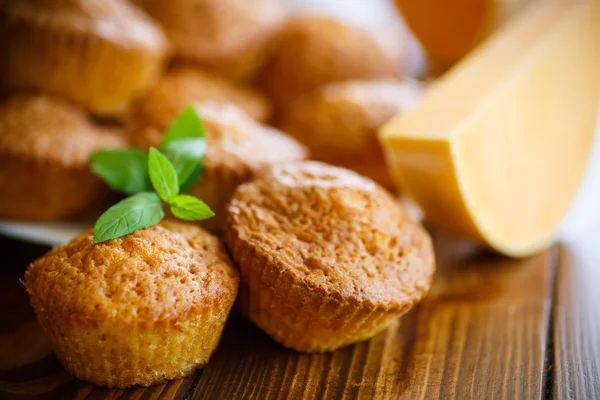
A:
<point x="238" y="148"/>
<point x="327" y="258"/>
<point x="44" y="146"/>
<point x="313" y="51"/>
<point x="99" y="54"/>
<point x="339" y="122"/>
<point x="185" y="85"/>
<point x="229" y="37"/>
<point x="136" y="310"/>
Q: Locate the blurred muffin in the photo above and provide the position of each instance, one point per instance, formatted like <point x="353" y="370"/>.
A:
<point x="326" y="257"/>
<point x="182" y="86"/>
<point x="339" y="122"/>
<point x="238" y="148"/>
<point x="230" y="37"/>
<point x="100" y="54"/>
<point x="136" y="310"/>
<point x="314" y="51"/>
<point x="44" y="146"/>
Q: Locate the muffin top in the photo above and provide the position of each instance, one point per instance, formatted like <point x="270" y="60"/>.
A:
<point x="313" y="51"/>
<point x="333" y="231"/>
<point x="185" y="85"/>
<point x="116" y="21"/>
<point x="156" y="274"/>
<point x="48" y="129"/>
<point x="343" y="117"/>
<point x="215" y="30"/>
<point x="235" y="141"/>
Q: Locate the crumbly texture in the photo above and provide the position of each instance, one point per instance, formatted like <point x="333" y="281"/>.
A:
<point x="314" y="51"/>
<point x="115" y="51"/>
<point x="327" y="257"/>
<point x="238" y="148"/>
<point x="44" y="146"/>
<point x="230" y="37"/>
<point x="339" y="122"/>
<point x="185" y="85"/>
<point x="136" y="310"/>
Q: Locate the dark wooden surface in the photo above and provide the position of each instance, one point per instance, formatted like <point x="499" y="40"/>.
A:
<point x="490" y="328"/>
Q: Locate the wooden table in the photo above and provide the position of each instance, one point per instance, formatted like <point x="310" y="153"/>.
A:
<point x="491" y="328"/>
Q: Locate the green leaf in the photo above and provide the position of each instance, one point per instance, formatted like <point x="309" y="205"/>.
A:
<point x="188" y="125"/>
<point x="163" y="175"/>
<point x="190" y="208"/>
<point x="187" y="156"/>
<point x="193" y="178"/>
<point x="127" y="216"/>
<point x="124" y="170"/>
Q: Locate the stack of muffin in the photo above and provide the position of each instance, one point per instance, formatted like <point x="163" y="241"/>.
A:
<point x="323" y="257"/>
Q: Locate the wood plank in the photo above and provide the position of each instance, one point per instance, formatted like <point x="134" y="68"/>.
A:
<point x="480" y="333"/>
<point x="577" y="325"/>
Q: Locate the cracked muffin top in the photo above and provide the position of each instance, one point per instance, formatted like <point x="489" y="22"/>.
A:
<point x="156" y="274"/>
<point x="99" y="54"/>
<point x="237" y="149"/>
<point x="207" y="31"/>
<point x="235" y="141"/>
<point x="333" y="231"/>
<point x="46" y="129"/>
<point x="185" y="85"/>
<point x="112" y="20"/>
<point x="313" y="51"/>
<point x="339" y="122"/>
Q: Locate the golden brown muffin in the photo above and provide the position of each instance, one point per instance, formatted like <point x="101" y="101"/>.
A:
<point x="237" y="149"/>
<point x="339" y="122"/>
<point x="314" y="51"/>
<point x="100" y="54"/>
<point x="44" y="146"/>
<point x="326" y="257"/>
<point x="183" y="86"/>
<point x="136" y="310"/>
<point x="230" y="37"/>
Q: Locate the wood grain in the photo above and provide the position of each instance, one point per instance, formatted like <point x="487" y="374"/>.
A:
<point x="577" y="326"/>
<point x="481" y="333"/>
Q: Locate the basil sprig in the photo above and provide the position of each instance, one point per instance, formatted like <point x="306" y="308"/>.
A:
<point x="124" y="170"/>
<point x="161" y="175"/>
<point x="135" y="212"/>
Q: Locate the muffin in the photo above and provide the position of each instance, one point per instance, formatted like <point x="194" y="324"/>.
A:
<point x="230" y="37"/>
<point x="99" y="54"/>
<point x="182" y="86"/>
<point x="237" y="149"/>
<point x="45" y="143"/>
<point x="314" y="51"/>
<point x="136" y="310"/>
<point x="339" y="122"/>
<point x="326" y="257"/>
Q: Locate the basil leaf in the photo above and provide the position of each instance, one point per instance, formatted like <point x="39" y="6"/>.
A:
<point x="163" y="175"/>
<point x="124" y="170"/>
<point x="193" y="178"/>
<point x="188" y="125"/>
<point x="190" y="208"/>
<point x="127" y="216"/>
<point x="187" y="156"/>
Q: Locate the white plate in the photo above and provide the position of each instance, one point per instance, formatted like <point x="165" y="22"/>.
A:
<point x="49" y="233"/>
